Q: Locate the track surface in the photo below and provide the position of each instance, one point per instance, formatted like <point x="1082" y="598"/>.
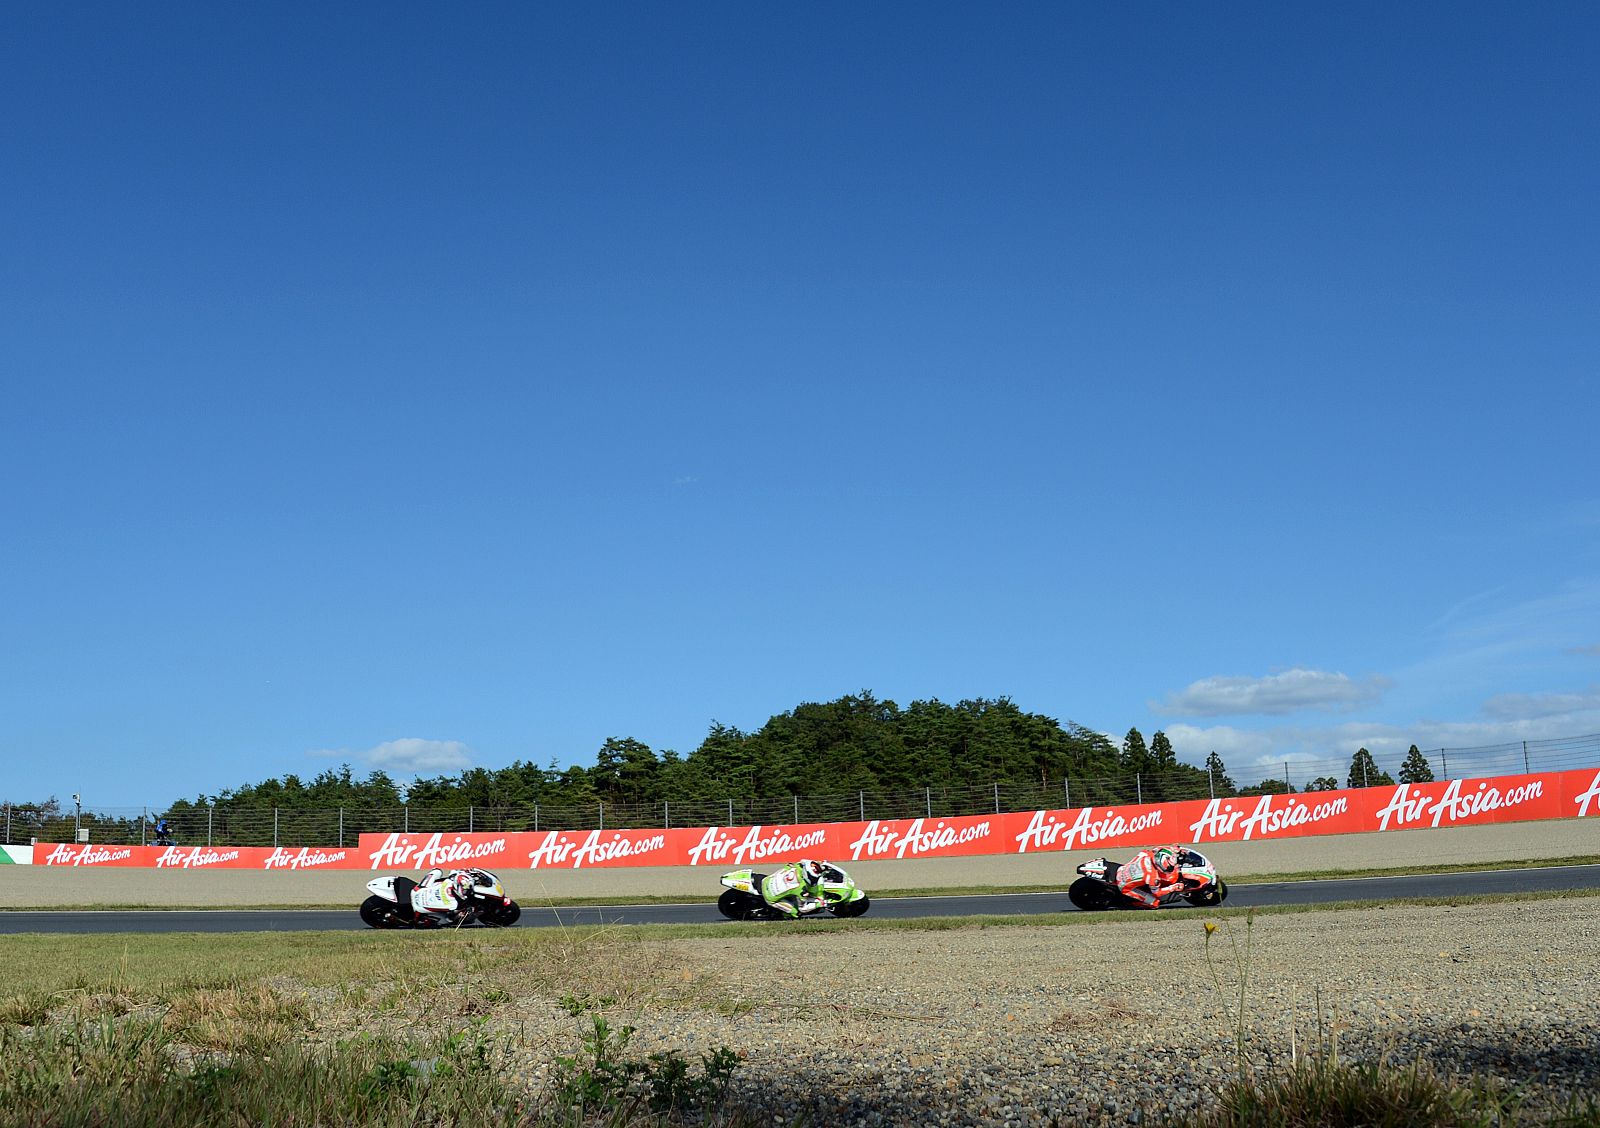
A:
<point x="1549" y="879"/>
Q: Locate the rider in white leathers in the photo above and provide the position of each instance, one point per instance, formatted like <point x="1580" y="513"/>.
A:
<point x="440" y="896"/>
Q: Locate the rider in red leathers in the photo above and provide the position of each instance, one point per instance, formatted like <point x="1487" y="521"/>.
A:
<point x="1151" y="874"/>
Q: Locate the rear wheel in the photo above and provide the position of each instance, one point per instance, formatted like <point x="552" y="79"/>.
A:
<point x="736" y="904"/>
<point x="1090" y="895"/>
<point x="378" y="913"/>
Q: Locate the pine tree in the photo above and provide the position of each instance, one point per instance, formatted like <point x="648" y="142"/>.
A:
<point x="1416" y="768"/>
<point x="1364" y="771"/>
<point x="1135" y="756"/>
<point x="1221" y="785"/>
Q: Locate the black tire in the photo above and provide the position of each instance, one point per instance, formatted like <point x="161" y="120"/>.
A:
<point x="736" y="904"/>
<point x="1090" y="895"/>
<point x="378" y="913"/>
<point x="850" y="908"/>
<point x="1210" y="895"/>
<point x="500" y="916"/>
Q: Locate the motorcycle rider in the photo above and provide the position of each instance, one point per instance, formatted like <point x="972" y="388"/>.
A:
<point x="1151" y="874"/>
<point x="439" y="897"/>
<point x="796" y="889"/>
<point x="163" y="832"/>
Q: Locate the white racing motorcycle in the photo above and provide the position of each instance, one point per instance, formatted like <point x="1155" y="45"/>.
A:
<point x="399" y="902"/>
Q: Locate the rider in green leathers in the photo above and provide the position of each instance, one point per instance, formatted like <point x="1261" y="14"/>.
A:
<point x="796" y="889"/>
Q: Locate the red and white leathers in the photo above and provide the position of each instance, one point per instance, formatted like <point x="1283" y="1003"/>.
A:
<point x="1142" y="880"/>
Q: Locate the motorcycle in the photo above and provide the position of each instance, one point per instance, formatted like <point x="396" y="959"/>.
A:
<point x="390" y="904"/>
<point x="841" y="896"/>
<point x="1096" y="889"/>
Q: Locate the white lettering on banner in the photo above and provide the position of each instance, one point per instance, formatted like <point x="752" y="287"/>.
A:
<point x="553" y="852"/>
<point x="915" y="842"/>
<point x="1266" y="821"/>
<point x="433" y="852"/>
<point x="872" y="842"/>
<point x="712" y="847"/>
<point x="1044" y="830"/>
<point x="305" y="859"/>
<point x="194" y="856"/>
<point x="1583" y="800"/>
<point x="1404" y="808"/>
<point x="1221" y="819"/>
<point x="63" y="854"/>
<point x="715" y="846"/>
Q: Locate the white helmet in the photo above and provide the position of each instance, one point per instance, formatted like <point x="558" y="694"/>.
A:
<point x="813" y="870"/>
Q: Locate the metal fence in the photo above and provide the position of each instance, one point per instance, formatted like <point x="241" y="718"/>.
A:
<point x="229" y="825"/>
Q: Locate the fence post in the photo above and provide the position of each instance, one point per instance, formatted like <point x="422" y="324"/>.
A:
<point x="602" y="814"/>
<point x="1364" y="773"/>
<point x="1138" y="788"/>
<point x="341" y="828"/>
<point x="536" y="816"/>
<point x="143" y="811"/>
<point x="1211" y="782"/>
<point x="1066" y="789"/>
<point x="210" y="811"/>
<point x="274" y="828"/>
<point x="927" y="795"/>
<point x="997" y="797"/>
<point x="1445" y="760"/>
<point x="8" y="824"/>
<point x="1287" y="786"/>
<point x="730" y="810"/>
<point x="1525" y="767"/>
<point x="797" y="810"/>
<point x="405" y="809"/>
<point x="666" y="814"/>
<point x="469" y="818"/>
<point x="861" y="805"/>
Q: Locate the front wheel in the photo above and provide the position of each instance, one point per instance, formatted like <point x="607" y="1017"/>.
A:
<point x="500" y="916"/>
<point x="1090" y="895"/>
<point x="850" y="908"/>
<point x="1210" y="895"/>
<point x="378" y="913"/>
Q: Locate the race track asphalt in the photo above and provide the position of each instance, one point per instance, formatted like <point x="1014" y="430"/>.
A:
<point x="1544" y="880"/>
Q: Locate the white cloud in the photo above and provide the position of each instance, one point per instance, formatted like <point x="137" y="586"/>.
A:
<point x="1476" y="747"/>
<point x="1527" y="706"/>
<point x="1289" y="692"/>
<point x="410" y="756"/>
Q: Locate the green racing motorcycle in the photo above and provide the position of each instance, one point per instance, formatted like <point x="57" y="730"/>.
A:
<point x="743" y="899"/>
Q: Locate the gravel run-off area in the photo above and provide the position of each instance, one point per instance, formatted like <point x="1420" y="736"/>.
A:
<point x="1116" y="1019"/>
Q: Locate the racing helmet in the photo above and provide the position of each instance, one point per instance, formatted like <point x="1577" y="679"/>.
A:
<point x="812" y="870"/>
<point x="1166" y="860"/>
<point x="461" y="884"/>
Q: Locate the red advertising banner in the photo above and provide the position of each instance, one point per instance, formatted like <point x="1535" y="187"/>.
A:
<point x="201" y="857"/>
<point x="1470" y="802"/>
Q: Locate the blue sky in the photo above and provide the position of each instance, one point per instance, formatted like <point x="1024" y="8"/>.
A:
<point x="426" y="388"/>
